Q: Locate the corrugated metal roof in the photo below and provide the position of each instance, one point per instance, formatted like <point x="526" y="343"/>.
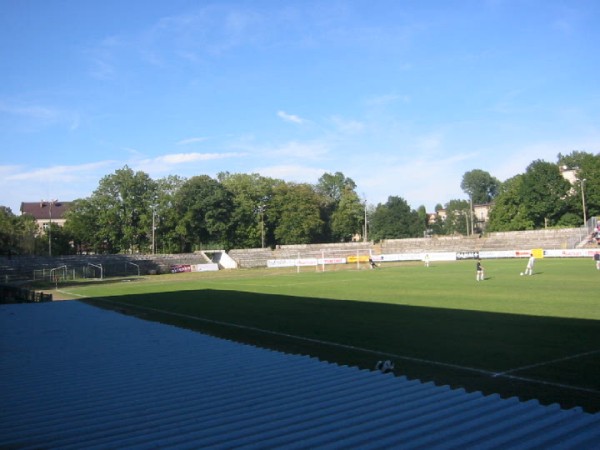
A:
<point x="75" y="376"/>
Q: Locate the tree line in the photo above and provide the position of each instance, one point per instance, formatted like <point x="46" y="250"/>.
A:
<point x="131" y="212"/>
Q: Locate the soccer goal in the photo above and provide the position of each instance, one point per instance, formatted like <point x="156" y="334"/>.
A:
<point x="357" y="259"/>
<point x="328" y="260"/>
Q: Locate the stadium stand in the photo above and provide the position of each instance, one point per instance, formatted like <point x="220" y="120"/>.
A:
<point x="20" y="268"/>
<point x="23" y="267"/>
<point x="251" y="258"/>
<point x="547" y="239"/>
<point x="515" y="240"/>
<point x="431" y="245"/>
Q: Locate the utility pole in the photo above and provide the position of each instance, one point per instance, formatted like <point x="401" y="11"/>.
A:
<point x="365" y="237"/>
<point x="260" y="209"/>
<point x="583" y="201"/>
<point x="51" y="203"/>
<point x="153" y="229"/>
<point x="50" y="231"/>
<point x="262" y="225"/>
<point x="472" y="218"/>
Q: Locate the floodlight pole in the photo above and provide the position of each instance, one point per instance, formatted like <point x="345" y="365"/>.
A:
<point x="365" y="238"/>
<point x="153" y="229"/>
<point x="583" y="201"/>
<point x="50" y="230"/>
<point x="260" y="209"/>
<point x="262" y="225"/>
<point x="472" y="218"/>
<point x="51" y="203"/>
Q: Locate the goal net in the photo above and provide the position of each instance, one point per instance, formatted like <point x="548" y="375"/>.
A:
<point x="326" y="260"/>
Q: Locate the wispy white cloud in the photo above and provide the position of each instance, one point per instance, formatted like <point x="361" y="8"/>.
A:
<point x="312" y="150"/>
<point x="62" y="173"/>
<point x="387" y="99"/>
<point x="184" y="158"/>
<point x="134" y="152"/>
<point x="199" y="34"/>
<point x="8" y="170"/>
<point x="34" y="116"/>
<point x="193" y="140"/>
<point x="33" y="112"/>
<point x="347" y="126"/>
<point x="180" y="163"/>
<point x="290" y="117"/>
<point x="292" y="172"/>
<point x="103" y="58"/>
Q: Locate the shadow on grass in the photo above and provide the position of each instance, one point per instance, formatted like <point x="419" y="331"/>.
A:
<point x="553" y="360"/>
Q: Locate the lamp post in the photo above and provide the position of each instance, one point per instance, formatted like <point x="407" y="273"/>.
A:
<point x="365" y="237"/>
<point x="153" y="229"/>
<point x="583" y="201"/>
<point x="261" y="210"/>
<point x="50" y="204"/>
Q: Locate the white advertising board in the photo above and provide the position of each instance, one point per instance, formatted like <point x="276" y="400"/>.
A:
<point x="205" y="268"/>
<point x="331" y="261"/>
<point x="571" y="253"/>
<point x="302" y="262"/>
<point x="275" y="263"/>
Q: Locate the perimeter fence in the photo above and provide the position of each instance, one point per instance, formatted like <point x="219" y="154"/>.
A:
<point x="14" y="294"/>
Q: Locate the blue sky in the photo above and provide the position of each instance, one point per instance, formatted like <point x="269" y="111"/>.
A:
<point x="403" y="97"/>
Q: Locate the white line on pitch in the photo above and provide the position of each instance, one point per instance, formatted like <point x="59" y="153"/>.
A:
<point x="545" y="363"/>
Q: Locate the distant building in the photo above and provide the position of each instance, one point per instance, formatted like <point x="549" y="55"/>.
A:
<point x="480" y="212"/>
<point x="46" y="212"/>
<point x="481" y="215"/>
<point x="569" y="174"/>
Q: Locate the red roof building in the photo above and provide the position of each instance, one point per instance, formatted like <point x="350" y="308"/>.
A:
<point x="46" y="212"/>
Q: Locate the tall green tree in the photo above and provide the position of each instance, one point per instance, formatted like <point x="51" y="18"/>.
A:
<point x="126" y="199"/>
<point x="590" y="172"/>
<point x="509" y="212"/>
<point x="120" y="210"/>
<point x="438" y="226"/>
<point x="575" y="160"/>
<point x="17" y="233"/>
<point x="252" y="195"/>
<point x="458" y="217"/>
<point x="56" y="239"/>
<point x="82" y="224"/>
<point x="8" y="232"/>
<point x="543" y="192"/>
<point x="348" y="218"/>
<point x="583" y="193"/>
<point x="332" y="188"/>
<point x="203" y="207"/>
<point x="480" y="186"/>
<point x="395" y="220"/>
<point x="423" y="217"/>
<point x="166" y="239"/>
<point x="536" y="199"/>
<point x="295" y="210"/>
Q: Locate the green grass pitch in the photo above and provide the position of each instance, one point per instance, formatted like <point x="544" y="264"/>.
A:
<point x="535" y="337"/>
